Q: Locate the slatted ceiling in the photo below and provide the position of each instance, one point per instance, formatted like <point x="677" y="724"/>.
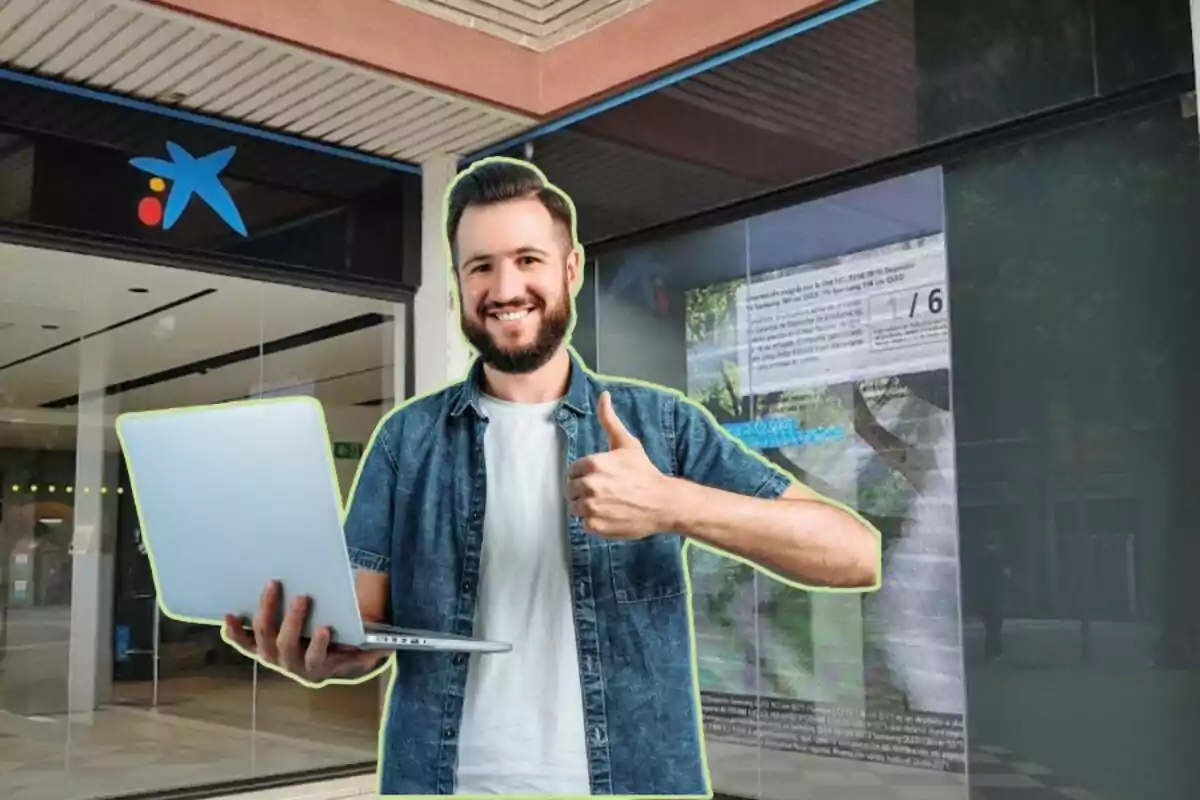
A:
<point x="28" y="32"/>
<point x="420" y="129"/>
<point x="282" y="93"/>
<point x="377" y="136"/>
<point x="157" y="56"/>
<point x="513" y="17"/>
<point x="617" y="189"/>
<point x="16" y="12"/>
<point x="36" y="41"/>
<point x="213" y="70"/>
<point x="90" y="41"/>
<point x="144" y="51"/>
<point x="203" y="95"/>
<point x="374" y="108"/>
<point x="139" y="44"/>
<point x="819" y="87"/>
<point x="311" y="100"/>
<point x="719" y="102"/>
<point x="467" y="123"/>
<point x="536" y="24"/>
<point x="345" y="108"/>
<point x="488" y="129"/>
<point x="168" y="68"/>
<point x="261" y="70"/>
<point x="374" y="113"/>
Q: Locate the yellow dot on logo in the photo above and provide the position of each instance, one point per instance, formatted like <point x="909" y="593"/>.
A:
<point x="120" y="490"/>
<point x="103" y="490"/>
<point x="50" y="489"/>
<point x="70" y="489"/>
<point x="33" y="488"/>
<point x="16" y="488"/>
<point x="157" y="184"/>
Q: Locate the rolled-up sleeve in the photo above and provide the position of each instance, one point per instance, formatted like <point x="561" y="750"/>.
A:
<point x="707" y="454"/>
<point x="369" y="518"/>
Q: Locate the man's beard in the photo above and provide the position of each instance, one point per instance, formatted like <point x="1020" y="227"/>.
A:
<point x="523" y="360"/>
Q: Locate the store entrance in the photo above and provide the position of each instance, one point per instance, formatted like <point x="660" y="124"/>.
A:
<point x="88" y="665"/>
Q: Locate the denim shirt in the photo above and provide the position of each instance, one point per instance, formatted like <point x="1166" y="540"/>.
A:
<point x="417" y="514"/>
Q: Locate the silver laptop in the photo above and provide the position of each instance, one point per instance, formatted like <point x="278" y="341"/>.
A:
<point x="232" y="496"/>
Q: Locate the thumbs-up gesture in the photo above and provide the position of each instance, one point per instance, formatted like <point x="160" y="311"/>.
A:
<point x="619" y="494"/>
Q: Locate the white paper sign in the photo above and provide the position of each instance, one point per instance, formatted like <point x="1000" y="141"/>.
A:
<point x="873" y="314"/>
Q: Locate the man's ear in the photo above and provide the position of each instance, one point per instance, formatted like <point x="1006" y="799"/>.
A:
<point x="575" y="269"/>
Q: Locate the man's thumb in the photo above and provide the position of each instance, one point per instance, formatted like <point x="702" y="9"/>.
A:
<point x="618" y="436"/>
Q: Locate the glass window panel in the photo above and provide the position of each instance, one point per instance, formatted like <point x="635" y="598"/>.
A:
<point x="341" y="350"/>
<point x="1073" y="271"/>
<point x="99" y="694"/>
<point x="1071" y="275"/>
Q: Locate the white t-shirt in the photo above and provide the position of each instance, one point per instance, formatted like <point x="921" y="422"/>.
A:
<point x="522" y="731"/>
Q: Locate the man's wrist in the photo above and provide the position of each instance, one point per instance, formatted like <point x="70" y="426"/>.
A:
<point x="674" y="507"/>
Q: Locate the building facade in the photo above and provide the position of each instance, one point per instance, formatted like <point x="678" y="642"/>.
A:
<point x="933" y="258"/>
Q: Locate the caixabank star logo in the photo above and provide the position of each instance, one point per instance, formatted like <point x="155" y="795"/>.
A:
<point x="181" y="178"/>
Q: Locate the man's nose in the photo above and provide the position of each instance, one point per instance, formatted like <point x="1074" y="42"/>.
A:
<point x="507" y="284"/>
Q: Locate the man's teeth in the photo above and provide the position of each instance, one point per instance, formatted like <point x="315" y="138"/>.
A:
<point x="509" y="316"/>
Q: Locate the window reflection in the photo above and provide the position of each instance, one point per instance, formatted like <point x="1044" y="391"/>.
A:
<point x="1071" y="282"/>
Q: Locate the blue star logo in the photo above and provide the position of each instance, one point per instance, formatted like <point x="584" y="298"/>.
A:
<point x="190" y="176"/>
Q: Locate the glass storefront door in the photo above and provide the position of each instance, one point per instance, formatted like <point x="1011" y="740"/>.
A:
<point x="99" y="693"/>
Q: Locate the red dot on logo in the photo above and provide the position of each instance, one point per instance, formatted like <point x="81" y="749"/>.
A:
<point x="150" y="211"/>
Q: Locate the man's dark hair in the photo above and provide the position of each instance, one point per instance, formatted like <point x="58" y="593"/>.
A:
<point x="497" y="181"/>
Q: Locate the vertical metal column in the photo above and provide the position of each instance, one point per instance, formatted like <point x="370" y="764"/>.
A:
<point x="441" y="353"/>
<point x="1195" y="6"/>
<point x="155" y="654"/>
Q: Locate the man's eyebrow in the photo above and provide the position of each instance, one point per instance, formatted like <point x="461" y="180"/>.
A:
<point x="476" y="257"/>
<point x="520" y="251"/>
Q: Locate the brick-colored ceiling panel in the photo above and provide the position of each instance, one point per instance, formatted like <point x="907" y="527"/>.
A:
<point x="540" y="58"/>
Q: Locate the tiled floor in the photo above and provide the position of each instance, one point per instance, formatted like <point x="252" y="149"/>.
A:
<point x="996" y="774"/>
<point x="121" y="751"/>
<point x="745" y="772"/>
<point x="340" y="715"/>
<point x="361" y="788"/>
<point x="201" y="734"/>
<point x="204" y="732"/>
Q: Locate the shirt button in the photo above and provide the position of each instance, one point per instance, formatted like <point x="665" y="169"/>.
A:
<point x="460" y="658"/>
<point x="448" y="733"/>
<point x="466" y="587"/>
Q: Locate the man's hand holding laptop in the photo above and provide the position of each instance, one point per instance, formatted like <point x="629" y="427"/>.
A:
<point x="279" y="644"/>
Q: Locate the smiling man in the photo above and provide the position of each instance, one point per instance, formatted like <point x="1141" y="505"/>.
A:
<point x="543" y="505"/>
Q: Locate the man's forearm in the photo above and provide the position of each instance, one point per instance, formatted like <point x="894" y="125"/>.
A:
<point x="801" y="539"/>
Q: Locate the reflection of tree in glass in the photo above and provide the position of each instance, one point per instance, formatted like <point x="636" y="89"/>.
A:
<point x="711" y="313"/>
<point x="721" y="395"/>
<point x="731" y="627"/>
<point x="712" y="330"/>
<point x="883" y="490"/>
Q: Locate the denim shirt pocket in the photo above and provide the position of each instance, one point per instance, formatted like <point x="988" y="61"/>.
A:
<point x="648" y="569"/>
